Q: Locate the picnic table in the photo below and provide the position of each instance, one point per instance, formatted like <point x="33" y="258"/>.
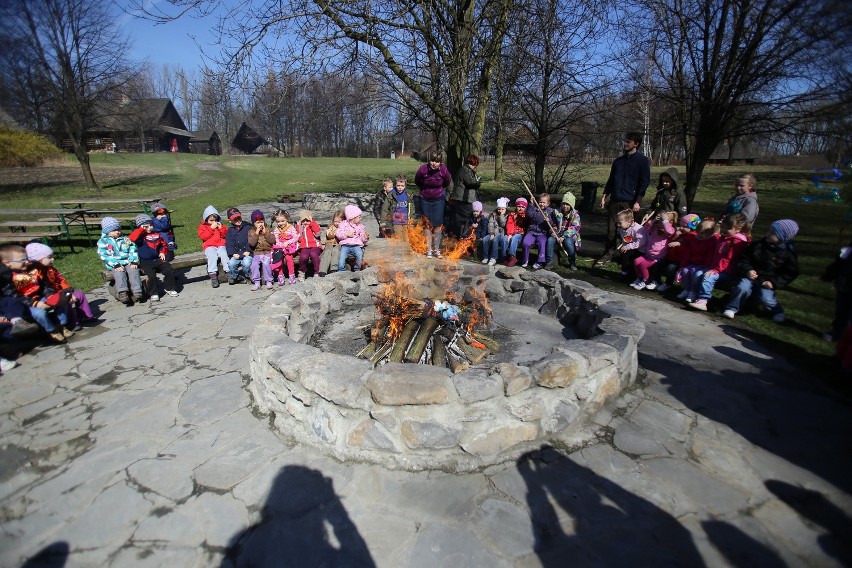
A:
<point x="97" y="209"/>
<point x="62" y="219"/>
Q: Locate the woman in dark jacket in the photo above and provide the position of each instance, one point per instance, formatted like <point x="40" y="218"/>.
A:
<point x="433" y="178"/>
<point x="465" y="192"/>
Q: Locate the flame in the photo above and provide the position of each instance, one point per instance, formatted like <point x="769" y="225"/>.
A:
<point x="396" y="303"/>
<point x="458" y="248"/>
<point x="453" y="249"/>
<point x="416" y="238"/>
<point x="479" y="311"/>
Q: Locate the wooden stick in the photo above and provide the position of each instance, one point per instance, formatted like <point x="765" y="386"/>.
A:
<point x="367" y="351"/>
<point x="381" y="352"/>
<point x="418" y="344"/>
<point x="439" y="352"/>
<point x="402" y="341"/>
<point x="489" y="342"/>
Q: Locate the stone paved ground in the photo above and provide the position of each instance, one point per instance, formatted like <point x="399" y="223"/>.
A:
<point x="136" y="445"/>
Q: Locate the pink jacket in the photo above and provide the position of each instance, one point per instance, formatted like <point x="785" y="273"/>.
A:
<point x="727" y="252"/>
<point x="655" y="244"/>
<point x="360" y="237"/>
<point x="286" y="240"/>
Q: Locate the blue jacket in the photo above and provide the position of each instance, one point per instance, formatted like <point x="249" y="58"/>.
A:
<point x="537" y="223"/>
<point x="481" y="230"/>
<point x="164" y="227"/>
<point x="236" y="239"/>
<point x="628" y="178"/>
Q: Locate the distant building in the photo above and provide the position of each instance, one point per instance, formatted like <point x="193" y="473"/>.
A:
<point x="205" y="142"/>
<point x="727" y="154"/>
<point x="136" y="125"/>
<point x="249" y="140"/>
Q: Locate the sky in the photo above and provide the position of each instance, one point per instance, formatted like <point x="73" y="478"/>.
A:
<point x="171" y="43"/>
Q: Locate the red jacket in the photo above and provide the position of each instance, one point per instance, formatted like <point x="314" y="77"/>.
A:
<point x="38" y="282"/>
<point x="697" y="252"/>
<point x="727" y="252"/>
<point x="211" y="237"/>
<point x="516" y="224"/>
<point x="309" y="236"/>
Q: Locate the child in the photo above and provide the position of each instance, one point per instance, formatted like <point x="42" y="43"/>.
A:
<point x="744" y="199"/>
<point x="652" y="249"/>
<point x="765" y="266"/>
<point x="153" y="252"/>
<point x="260" y="239"/>
<point x="120" y="256"/>
<point x="541" y="224"/>
<point x="495" y="243"/>
<point x="516" y="226"/>
<point x="567" y="231"/>
<point x="398" y="209"/>
<point x="70" y="306"/>
<point x="163" y="225"/>
<point x="14" y="263"/>
<point x="696" y="256"/>
<point x="839" y="272"/>
<point x="665" y="270"/>
<point x="331" y="253"/>
<point x="286" y="244"/>
<point x="14" y="306"/>
<point x="310" y="246"/>
<point x="730" y="242"/>
<point x="477" y="224"/>
<point x="212" y="233"/>
<point x="669" y="197"/>
<point x="631" y="235"/>
<point x="238" y="248"/>
<point x="379" y="207"/>
<point x="352" y="237"/>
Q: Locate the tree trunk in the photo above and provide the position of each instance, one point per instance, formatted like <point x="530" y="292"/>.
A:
<point x="83" y="158"/>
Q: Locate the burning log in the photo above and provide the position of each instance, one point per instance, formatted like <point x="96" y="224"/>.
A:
<point x="489" y="343"/>
<point x="439" y="352"/>
<point x="402" y="341"/>
<point x="471" y="353"/>
<point x="381" y="352"/>
<point x="421" y="340"/>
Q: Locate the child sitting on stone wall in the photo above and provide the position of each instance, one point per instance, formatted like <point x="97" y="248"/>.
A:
<point x="331" y="251"/>
<point x="120" y="256"/>
<point x="260" y="239"/>
<point x="352" y="236"/>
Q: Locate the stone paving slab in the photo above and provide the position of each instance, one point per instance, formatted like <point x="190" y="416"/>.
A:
<point x="136" y="445"/>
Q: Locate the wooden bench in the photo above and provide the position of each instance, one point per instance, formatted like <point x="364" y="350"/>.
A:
<point x="61" y="219"/>
<point x="181" y="262"/>
<point x="22" y="237"/>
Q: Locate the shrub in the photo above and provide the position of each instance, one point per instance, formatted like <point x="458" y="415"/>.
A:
<point x="25" y="149"/>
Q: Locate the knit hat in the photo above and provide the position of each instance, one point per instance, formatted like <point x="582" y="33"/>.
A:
<point x="143" y="219"/>
<point x="503" y="202"/>
<point x="110" y="224"/>
<point x="305" y="214"/>
<point x="38" y="251"/>
<point x="257" y="215"/>
<point x="521" y="202"/>
<point x="786" y="229"/>
<point x="351" y="211"/>
<point x="570" y="199"/>
<point x="233" y="213"/>
<point x="157" y="208"/>
<point x="690" y="221"/>
<point x="477" y="205"/>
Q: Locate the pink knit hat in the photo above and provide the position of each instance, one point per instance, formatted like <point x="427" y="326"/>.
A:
<point x="521" y="202"/>
<point x="351" y="211"/>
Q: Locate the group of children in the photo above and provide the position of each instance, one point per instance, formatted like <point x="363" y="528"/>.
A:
<point x="499" y="234"/>
<point x="700" y="254"/>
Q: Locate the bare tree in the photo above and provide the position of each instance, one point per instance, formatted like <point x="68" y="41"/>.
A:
<point x="78" y="51"/>
<point x="729" y="68"/>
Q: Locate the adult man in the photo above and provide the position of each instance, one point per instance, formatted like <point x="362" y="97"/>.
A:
<point x="628" y="180"/>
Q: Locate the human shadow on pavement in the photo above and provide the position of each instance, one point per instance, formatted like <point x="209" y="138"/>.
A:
<point x="51" y="556"/>
<point x="603" y="524"/>
<point x="739" y="548"/>
<point x="771" y="409"/>
<point x="814" y="506"/>
<point x="303" y="523"/>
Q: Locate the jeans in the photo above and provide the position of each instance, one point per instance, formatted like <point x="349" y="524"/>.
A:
<point x="514" y="242"/>
<point x="745" y="289"/>
<point x="709" y="281"/>
<point x="244" y="262"/>
<point x="567" y="245"/>
<point x="494" y="246"/>
<point x="45" y="319"/>
<point x="214" y="254"/>
<point x="345" y="251"/>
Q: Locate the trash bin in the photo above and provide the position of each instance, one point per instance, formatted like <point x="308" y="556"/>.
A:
<point x="590" y="195"/>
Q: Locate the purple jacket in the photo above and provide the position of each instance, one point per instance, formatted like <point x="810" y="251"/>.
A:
<point x="433" y="184"/>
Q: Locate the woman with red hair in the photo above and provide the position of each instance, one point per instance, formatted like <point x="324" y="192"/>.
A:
<point x="464" y="194"/>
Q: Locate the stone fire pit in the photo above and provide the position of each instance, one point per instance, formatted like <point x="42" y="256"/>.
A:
<point x="569" y="348"/>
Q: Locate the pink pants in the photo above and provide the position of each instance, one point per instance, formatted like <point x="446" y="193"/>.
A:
<point x="641" y="266"/>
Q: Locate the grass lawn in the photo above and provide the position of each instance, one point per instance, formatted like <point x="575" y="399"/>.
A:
<point x="188" y="183"/>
